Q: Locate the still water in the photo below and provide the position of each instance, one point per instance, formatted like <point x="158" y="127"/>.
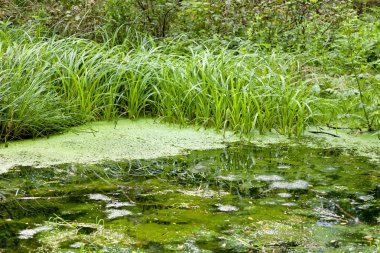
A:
<point x="238" y="199"/>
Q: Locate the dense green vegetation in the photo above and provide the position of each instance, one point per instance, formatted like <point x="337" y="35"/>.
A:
<point x="238" y="65"/>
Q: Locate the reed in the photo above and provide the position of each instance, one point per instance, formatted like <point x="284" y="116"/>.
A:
<point x="49" y="84"/>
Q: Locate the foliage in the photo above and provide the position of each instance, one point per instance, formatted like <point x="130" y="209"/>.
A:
<point x="294" y="25"/>
<point x="219" y="87"/>
<point x="269" y="22"/>
<point x="227" y="89"/>
<point x="27" y="107"/>
<point x="356" y="44"/>
<point x="356" y="52"/>
<point x="255" y="65"/>
<point x="149" y="16"/>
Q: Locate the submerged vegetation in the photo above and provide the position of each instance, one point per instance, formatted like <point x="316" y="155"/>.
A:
<point x="252" y="72"/>
<point x="237" y="199"/>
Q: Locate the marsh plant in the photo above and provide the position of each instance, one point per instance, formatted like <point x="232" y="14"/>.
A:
<point x="51" y="82"/>
<point x="67" y="81"/>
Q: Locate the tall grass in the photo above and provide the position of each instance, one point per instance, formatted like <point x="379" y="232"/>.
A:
<point x="49" y="84"/>
<point x="27" y="106"/>
<point x="228" y="89"/>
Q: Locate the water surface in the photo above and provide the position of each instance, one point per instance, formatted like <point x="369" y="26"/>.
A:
<point x="237" y="199"/>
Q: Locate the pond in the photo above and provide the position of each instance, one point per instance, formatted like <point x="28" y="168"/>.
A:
<point x="238" y="199"/>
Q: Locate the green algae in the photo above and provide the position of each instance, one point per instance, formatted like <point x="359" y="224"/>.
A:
<point x="148" y="139"/>
<point x="101" y="141"/>
<point x="173" y="204"/>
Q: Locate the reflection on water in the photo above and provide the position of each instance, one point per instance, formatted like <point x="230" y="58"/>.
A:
<point x="239" y="199"/>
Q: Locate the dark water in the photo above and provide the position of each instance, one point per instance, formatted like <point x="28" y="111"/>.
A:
<point x="238" y="199"/>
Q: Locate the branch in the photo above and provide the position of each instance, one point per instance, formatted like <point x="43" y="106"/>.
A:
<point x="322" y="132"/>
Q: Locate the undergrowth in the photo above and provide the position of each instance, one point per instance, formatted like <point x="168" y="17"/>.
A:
<point x="48" y="84"/>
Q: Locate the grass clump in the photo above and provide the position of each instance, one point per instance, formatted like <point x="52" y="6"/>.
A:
<point x="27" y="106"/>
<point x="229" y="89"/>
<point x="50" y="83"/>
<point x="66" y="81"/>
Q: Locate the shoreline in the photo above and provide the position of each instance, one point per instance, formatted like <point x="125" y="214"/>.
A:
<point x="147" y="139"/>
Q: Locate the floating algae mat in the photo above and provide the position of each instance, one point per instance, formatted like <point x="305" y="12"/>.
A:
<point x="237" y="199"/>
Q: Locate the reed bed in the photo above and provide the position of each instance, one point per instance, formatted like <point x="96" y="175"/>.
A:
<point x="49" y="84"/>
